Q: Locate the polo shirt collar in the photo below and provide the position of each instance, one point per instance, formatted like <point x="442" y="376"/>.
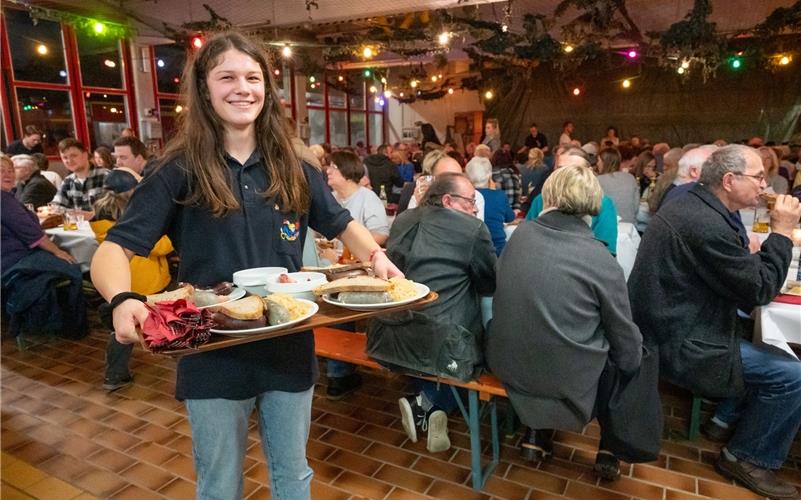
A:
<point x="253" y="159"/>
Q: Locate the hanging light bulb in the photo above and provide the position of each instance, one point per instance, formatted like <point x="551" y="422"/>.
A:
<point x="450" y="90"/>
<point x="109" y="63"/>
<point x="444" y="38"/>
<point x="367" y="52"/>
<point x="681" y="70"/>
<point x="197" y="42"/>
<point x="286" y="51"/>
<point x="179" y="108"/>
<point x="373" y="90"/>
<point x="632" y="54"/>
<point x="576" y="91"/>
<point x="367" y="73"/>
<point x="413" y="84"/>
<point x="433" y="78"/>
<point x="160" y="63"/>
<point x="568" y="48"/>
<point x="312" y="79"/>
<point x="387" y="93"/>
<point x="383" y="80"/>
<point x="488" y="95"/>
<point x="99" y="27"/>
<point x="381" y="102"/>
<point x="785" y="60"/>
<point x="41" y="49"/>
<point x="277" y="72"/>
<point x="340" y="78"/>
<point x="626" y="83"/>
<point x="504" y="27"/>
<point x="401" y="94"/>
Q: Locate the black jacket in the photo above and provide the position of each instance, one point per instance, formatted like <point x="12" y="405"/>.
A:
<point x="691" y="275"/>
<point x="383" y="173"/>
<point x="36" y="190"/>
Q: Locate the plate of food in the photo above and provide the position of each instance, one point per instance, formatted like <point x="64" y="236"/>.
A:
<point x="366" y="293"/>
<point x="202" y="298"/>
<point x="253" y="314"/>
<point x="792" y="287"/>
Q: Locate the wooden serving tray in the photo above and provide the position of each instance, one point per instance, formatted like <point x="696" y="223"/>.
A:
<point x="328" y="315"/>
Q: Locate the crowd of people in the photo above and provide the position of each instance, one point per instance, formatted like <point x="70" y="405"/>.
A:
<point x="237" y="189"/>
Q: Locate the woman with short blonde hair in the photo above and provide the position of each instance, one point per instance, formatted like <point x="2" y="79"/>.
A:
<point x="572" y="190"/>
<point x="771" y="163"/>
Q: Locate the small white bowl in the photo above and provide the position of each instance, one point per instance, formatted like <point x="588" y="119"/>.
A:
<point x="303" y="289"/>
<point x="254" y="279"/>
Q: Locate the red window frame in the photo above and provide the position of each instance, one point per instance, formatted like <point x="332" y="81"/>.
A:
<point x="75" y="88"/>
<point x="327" y="108"/>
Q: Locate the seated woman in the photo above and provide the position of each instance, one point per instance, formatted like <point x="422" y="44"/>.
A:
<point x="604" y="223"/>
<point x="620" y="186"/>
<point x="32" y="267"/>
<point x="345" y="172"/>
<point x="560" y="309"/>
<point x="496" y="204"/>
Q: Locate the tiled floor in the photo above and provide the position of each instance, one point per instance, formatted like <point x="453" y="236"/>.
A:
<point x="64" y="437"/>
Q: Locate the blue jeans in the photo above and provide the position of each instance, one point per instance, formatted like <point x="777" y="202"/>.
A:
<point x="768" y="416"/>
<point x="220" y="437"/>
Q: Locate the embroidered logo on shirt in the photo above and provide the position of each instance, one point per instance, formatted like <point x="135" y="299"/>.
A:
<point x="290" y="230"/>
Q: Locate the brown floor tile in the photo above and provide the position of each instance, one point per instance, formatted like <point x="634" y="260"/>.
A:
<point x="101" y="483"/>
<point x="181" y="444"/>
<point x="323" y="471"/>
<point x="391" y="455"/>
<point x="8" y="492"/>
<point x="182" y="466"/>
<point x="346" y="441"/>
<point x="179" y="488"/>
<point x="116" y="440"/>
<point x="33" y="453"/>
<point x="401" y="494"/>
<point x="322" y="491"/>
<point x="22" y="475"/>
<point x="354" y="462"/>
<point x="64" y="467"/>
<point x="725" y="491"/>
<point x="160" y="416"/>
<point x="340" y="423"/>
<point x="501" y="488"/>
<point x="361" y="485"/>
<point x="441" y="470"/>
<point x="680" y="495"/>
<point x="404" y="478"/>
<point x="123" y="422"/>
<point x="447" y="491"/>
<point x="664" y="477"/>
<point x="634" y="488"/>
<point x="577" y="489"/>
<point x="147" y="476"/>
<point x="111" y="460"/>
<point x="383" y="435"/>
<point x="78" y="446"/>
<point x="152" y="453"/>
<point x="694" y="469"/>
<point x="536" y="479"/>
<point x="53" y="489"/>
<point x="133" y="492"/>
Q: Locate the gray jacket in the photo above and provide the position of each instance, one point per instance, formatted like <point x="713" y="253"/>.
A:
<point x="560" y="308"/>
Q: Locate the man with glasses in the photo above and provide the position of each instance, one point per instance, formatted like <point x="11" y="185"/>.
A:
<point x="442" y="244"/>
<point x="693" y="271"/>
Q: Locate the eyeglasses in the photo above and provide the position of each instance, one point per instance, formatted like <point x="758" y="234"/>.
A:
<point x="471" y="201"/>
<point x="759" y="177"/>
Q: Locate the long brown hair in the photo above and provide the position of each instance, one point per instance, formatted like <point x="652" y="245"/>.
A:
<point x="200" y="136"/>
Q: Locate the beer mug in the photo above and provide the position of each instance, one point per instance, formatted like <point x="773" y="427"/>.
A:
<point x="70" y="220"/>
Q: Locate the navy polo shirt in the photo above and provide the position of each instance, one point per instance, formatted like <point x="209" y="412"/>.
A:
<point x="212" y="249"/>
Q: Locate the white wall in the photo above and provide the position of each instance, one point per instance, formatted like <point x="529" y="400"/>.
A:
<point x="439" y="113"/>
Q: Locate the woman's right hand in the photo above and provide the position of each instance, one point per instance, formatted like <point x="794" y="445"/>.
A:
<point x="128" y="317"/>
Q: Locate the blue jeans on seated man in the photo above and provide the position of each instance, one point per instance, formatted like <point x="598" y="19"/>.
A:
<point x="767" y="418"/>
<point x="220" y="438"/>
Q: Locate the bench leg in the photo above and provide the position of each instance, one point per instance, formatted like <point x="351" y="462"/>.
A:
<point x="510" y="422"/>
<point x="471" y="416"/>
<point x="695" y="419"/>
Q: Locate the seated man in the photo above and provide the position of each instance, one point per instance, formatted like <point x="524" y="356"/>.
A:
<point x="693" y="271"/>
<point x="443" y="245"/>
<point x="32" y="186"/>
<point x="84" y="185"/>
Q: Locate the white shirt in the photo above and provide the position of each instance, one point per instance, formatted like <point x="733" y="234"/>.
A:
<point x="479" y="204"/>
<point x="366" y="208"/>
<point x="53" y="177"/>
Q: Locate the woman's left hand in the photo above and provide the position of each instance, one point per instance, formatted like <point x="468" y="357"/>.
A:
<point x="384" y="268"/>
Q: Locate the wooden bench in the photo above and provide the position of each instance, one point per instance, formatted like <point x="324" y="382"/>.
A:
<point x="350" y="347"/>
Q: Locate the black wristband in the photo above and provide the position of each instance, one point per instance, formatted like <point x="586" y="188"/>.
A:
<point x="106" y="310"/>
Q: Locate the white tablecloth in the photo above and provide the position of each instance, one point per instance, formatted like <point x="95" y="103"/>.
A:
<point x="81" y="243"/>
<point x="779" y="324"/>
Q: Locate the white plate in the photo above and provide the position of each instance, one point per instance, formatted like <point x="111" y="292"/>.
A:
<point x="265" y="329"/>
<point x="422" y="291"/>
<point x="236" y="294"/>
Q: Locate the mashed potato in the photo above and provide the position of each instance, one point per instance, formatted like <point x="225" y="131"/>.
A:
<point x="401" y="289"/>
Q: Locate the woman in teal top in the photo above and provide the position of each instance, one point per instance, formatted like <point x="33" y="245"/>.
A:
<point x="604" y="225"/>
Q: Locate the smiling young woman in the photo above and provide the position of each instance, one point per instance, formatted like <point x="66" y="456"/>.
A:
<point x="232" y="194"/>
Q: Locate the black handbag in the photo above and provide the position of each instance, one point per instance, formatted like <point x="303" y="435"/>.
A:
<point x="629" y="410"/>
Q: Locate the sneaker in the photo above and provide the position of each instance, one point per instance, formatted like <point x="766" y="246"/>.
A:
<point x="716" y="433"/>
<point x="340" y="387"/>
<point x="412" y="414"/>
<point x="437" y="439"/>
<point x="537" y="444"/>
<point x="761" y="481"/>
<point x="110" y="384"/>
<point x="607" y="466"/>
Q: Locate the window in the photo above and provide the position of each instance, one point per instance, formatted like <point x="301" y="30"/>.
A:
<point x="69" y="82"/>
<point x="357" y="133"/>
<point x="316" y="126"/>
<point x="101" y="61"/>
<point x="338" y="122"/>
<point x="168" y="112"/>
<point x="376" y="123"/>
<point x="50" y="111"/>
<point x="37" y="50"/>
<point x="169" y="65"/>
